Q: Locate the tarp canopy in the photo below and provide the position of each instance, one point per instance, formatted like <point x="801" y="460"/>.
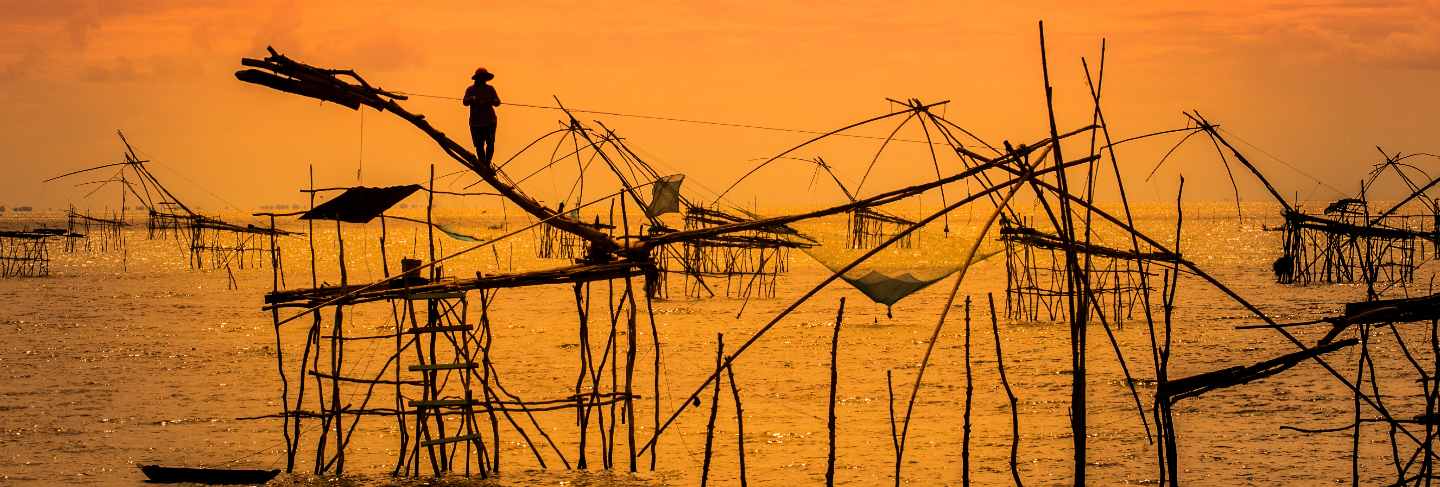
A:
<point x="360" y="204"/>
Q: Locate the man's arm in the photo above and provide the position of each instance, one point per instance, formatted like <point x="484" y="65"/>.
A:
<point x="494" y="98"/>
<point x="469" y="97"/>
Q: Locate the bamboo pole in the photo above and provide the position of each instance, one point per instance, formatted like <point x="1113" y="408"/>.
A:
<point x="1009" y="394"/>
<point x="581" y="412"/>
<point x="834" y="385"/>
<point x="895" y="445"/>
<point x="739" y="422"/>
<point x="969" y="398"/>
<point x="630" y="352"/>
<point x="1077" y="302"/>
<point x="714" y="410"/>
<point x="279" y="355"/>
<point x="655" y="375"/>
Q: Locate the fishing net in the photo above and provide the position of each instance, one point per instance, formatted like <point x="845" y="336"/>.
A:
<point x="665" y="195"/>
<point x="896" y="272"/>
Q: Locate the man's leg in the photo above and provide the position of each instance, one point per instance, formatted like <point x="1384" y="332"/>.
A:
<point x="477" y="138"/>
<point x="489" y="142"/>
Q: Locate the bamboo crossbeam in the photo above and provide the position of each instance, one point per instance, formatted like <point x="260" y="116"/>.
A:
<point x="578" y="273"/>
<point x="1302" y="220"/>
<point x="887" y="218"/>
<point x="1422" y="308"/>
<point x="359" y="380"/>
<point x="91" y="219"/>
<point x="453" y="439"/>
<point x="745" y="242"/>
<point x="877" y="200"/>
<point x="1036" y="238"/>
<point x="438" y="329"/>
<point x="481" y="407"/>
<point x="1198" y="384"/>
<point x="445" y="403"/>
<point x="454" y="366"/>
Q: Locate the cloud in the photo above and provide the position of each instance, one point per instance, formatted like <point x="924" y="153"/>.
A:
<point x="1382" y="33"/>
<point x="115" y="70"/>
<point x="388" y="53"/>
<point x="94" y="40"/>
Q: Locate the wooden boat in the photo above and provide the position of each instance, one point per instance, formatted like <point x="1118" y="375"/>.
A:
<point x="209" y="476"/>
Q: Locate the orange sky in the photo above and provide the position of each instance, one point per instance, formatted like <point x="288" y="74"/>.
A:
<point x="1318" y="84"/>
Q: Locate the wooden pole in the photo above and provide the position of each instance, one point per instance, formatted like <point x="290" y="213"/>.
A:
<point x="834" y="383"/>
<point x="337" y="357"/>
<point x="739" y="422"/>
<point x="1077" y="300"/>
<point x="279" y="351"/>
<point x="1010" y="394"/>
<point x="581" y="410"/>
<point x="894" y="433"/>
<point x="969" y="398"/>
<point x="714" y="409"/>
<point x="1359" y="380"/>
<point x="631" y="344"/>
<point x="655" y="375"/>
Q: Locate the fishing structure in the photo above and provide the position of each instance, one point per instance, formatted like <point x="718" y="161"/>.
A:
<point x="1351" y="243"/>
<point x="1035" y="274"/>
<point x="94" y="233"/>
<point x="439" y="383"/>
<point x="27" y="253"/>
<point x="868" y="227"/>
<point x="743" y="264"/>
<point x="1348" y="242"/>
<point x="210" y="243"/>
<point x="739" y="264"/>
<point x="452" y="412"/>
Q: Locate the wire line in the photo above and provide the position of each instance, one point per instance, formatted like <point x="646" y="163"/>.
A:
<point x="675" y="119"/>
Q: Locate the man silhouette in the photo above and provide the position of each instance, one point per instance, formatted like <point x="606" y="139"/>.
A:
<point x="482" y="100"/>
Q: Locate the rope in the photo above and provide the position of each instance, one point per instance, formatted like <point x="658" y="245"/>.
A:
<point x="150" y="160"/>
<point x="1282" y="162"/>
<point x="677" y="119"/>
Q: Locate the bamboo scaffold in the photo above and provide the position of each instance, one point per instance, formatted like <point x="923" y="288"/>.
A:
<point x="867" y="227"/>
<point x="594" y="155"/>
<point x="1348" y="242"/>
<point x="1035" y="274"/>
<point x="94" y="234"/>
<point x="27" y="253"/>
<point x="737" y="264"/>
<point x="440" y="383"/>
<point x="209" y="242"/>
<point x="999" y="176"/>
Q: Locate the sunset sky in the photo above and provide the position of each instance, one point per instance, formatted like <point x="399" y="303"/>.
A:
<point x="1317" y="84"/>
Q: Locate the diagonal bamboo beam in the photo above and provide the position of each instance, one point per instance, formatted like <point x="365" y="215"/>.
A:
<point x="281" y="73"/>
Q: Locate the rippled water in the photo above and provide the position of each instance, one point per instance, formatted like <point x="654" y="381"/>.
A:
<point x="123" y="359"/>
